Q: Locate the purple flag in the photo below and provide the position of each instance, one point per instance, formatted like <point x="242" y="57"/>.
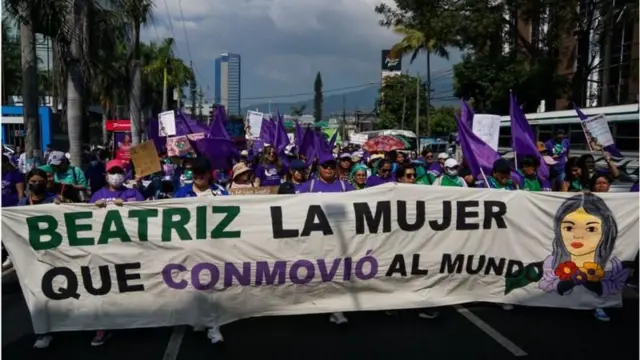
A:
<point x="186" y="125"/>
<point x="153" y="134"/>
<point x="477" y="154"/>
<point x="281" y="139"/>
<point x="466" y="115"/>
<point x="219" y="150"/>
<point x="267" y="131"/>
<point x="217" y="129"/>
<point x="611" y="149"/>
<point x="308" y="147"/>
<point x="522" y="139"/>
<point x="332" y="142"/>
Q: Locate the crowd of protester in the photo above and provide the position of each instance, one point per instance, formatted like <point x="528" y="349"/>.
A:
<point x="103" y="181"/>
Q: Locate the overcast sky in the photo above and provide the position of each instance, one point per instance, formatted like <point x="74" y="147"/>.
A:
<point x="283" y="43"/>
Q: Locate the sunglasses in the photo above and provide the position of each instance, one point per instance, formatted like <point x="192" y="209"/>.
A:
<point x="410" y="176"/>
<point x="385" y="170"/>
<point x="328" y="166"/>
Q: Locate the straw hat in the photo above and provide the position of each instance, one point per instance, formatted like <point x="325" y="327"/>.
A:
<point x="240" y="168"/>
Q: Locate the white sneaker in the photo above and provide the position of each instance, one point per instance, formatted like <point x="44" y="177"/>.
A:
<point x="338" y="318"/>
<point x="507" y="307"/>
<point x="601" y="315"/>
<point x="7" y="264"/>
<point x="43" y="341"/>
<point x="215" y="335"/>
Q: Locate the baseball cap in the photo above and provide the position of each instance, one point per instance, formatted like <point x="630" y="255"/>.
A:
<point x="244" y="153"/>
<point x="443" y="156"/>
<point x="297" y="164"/>
<point x="115" y="163"/>
<point x="450" y="163"/>
<point x="345" y="156"/>
<point x="56" y="158"/>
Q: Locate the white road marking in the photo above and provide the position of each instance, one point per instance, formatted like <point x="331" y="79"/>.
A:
<point x="506" y="343"/>
<point x="173" y="346"/>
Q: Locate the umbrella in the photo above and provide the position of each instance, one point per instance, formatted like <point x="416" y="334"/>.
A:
<point x="383" y="143"/>
<point x="404" y="141"/>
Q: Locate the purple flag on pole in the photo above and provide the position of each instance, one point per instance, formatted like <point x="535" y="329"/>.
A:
<point x="267" y="131"/>
<point x="281" y="139"/>
<point x="332" y="142"/>
<point x="154" y="135"/>
<point x="611" y="149"/>
<point x="217" y="129"/>
<point x="466" y="115"/>
<point x="308" y="146"/>
<point x="219" y="150"/>
<point x="478" y="155"/>
<point x="185" y="125"/>
<point x="522" y="140"/>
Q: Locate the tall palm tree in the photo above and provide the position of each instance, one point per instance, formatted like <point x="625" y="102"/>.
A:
<point x="162" y="68"/>
<point x="415" y="41"/>
<point x="137" y="13"/>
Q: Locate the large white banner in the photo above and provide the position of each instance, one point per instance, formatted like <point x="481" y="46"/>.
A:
<point x="216" y="260"/>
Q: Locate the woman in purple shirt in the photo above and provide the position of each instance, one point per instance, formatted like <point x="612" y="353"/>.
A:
<point x="12" y="183"/>
<point x="270" y="171"/>
<point x="383" y="176"/>
<point x="327" y="181"/>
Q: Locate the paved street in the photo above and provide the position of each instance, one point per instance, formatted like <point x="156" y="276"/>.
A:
<point x="479" y="330"/>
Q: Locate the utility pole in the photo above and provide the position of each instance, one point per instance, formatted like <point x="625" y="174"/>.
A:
<point x="418" y="105"/>
<point x="428" y="93"/>
<point x="404" y="106"/>
<point x="344" y="116"/>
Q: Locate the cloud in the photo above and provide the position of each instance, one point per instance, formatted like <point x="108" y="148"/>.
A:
<point x="283" y="43"/>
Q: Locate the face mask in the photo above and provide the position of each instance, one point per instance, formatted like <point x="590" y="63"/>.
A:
<point x="38" y="189"/>
<point x="451" y="172"/>
<point x="115" y="180"/>
<point x="94" y="162"/>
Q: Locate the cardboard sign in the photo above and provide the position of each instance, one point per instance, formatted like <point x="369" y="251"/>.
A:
<point x="145" y="158"/>
<point x="260" y="190"/>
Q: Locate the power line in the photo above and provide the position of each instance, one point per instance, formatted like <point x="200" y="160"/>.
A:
<point x="166" y="6"/>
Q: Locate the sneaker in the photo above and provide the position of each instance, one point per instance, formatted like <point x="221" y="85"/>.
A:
<point x="428" y="314"/>
<point x="507" y="307"/>
<point x="601" y="315"/>
<point x="101" y="337"/>
<point x="338" y="318"/>
<point x="43" y="341"/>
<point x="7" y="264"/>
<point x="215" y="335"/>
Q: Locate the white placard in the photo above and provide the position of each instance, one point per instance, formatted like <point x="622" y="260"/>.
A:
<point x="254" y="120"/>
<point x="487" y="128"/>
<point x="597" y="132"/>
<point x="167" y="123"/>
<point x="358" y="139"/>
<point x="209" y="261"/>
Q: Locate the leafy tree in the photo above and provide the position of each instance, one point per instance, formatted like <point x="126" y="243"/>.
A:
<point x="11" y="63"/>
<point x="397" y="96"/>
<point x="442" y="120"/>
<point x="318" y="97"/>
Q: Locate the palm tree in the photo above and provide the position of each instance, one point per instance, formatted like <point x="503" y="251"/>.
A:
<point x="414" y="42"/>
<point x="137" y="13"/>
<point x="162" y="69"/>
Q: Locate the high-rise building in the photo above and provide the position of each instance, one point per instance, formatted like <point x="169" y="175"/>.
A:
<point x="227" y="87"/>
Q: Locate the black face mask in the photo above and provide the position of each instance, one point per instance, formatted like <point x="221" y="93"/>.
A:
<point x="38" y="189"/>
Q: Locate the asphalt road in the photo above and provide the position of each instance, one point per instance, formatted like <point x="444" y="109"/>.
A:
<point x="478" y="331"/>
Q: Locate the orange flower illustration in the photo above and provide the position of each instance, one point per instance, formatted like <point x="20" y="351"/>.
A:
<point x="593" y="270"/>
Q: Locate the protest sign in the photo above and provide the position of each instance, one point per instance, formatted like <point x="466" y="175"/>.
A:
<point x="254" y="121"/>
<point x="260" y="190"/>
<point x="179" y="146"/>
<point x="597" y="132"/>
<point x="487" y="128"/>
<point x="145" y="158"/>
<point x="167" y="123"/>
<point x="210" y="261"/>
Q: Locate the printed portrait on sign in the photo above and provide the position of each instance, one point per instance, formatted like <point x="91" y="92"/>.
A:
<point x="584" y="236"/>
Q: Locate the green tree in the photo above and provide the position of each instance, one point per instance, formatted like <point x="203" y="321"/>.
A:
<point x="397" y="96"/>
<point x="442" y="120"/>
<point x="318" y="97"/>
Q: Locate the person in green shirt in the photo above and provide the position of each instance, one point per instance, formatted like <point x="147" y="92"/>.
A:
<point x="529" y="173"/>
<point x="423" y="177"/>
<point x="358" y="176"/>
<point x="63" y="172"/>
<point x="449" y="176"/>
